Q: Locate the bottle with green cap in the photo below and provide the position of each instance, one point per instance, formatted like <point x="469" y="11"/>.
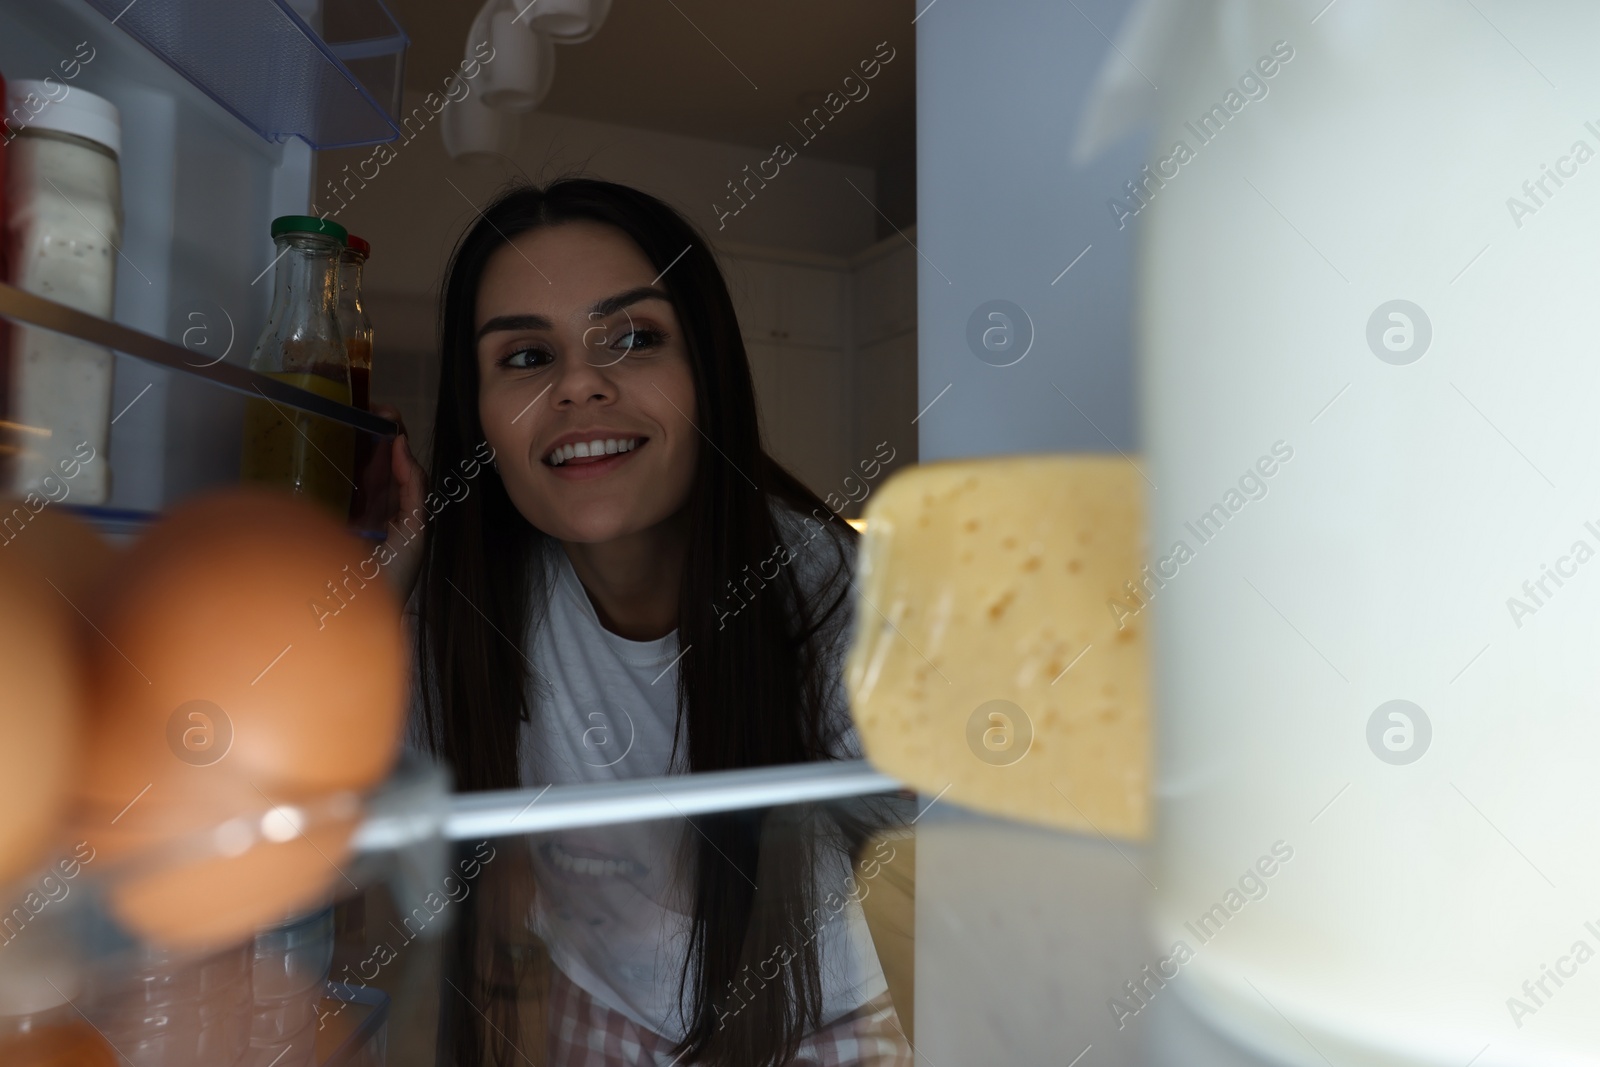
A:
<point x="303" y="346"/>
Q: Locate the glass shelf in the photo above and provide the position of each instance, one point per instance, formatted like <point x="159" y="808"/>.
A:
<point x="333" y="81"/>
<point x="997" y="942"/>
<point x="973" y="939"/>
<point x="24" y="307"/>
<point x="19" y="306"/>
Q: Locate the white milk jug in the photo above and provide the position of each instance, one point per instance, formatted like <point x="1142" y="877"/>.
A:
<point x="1369" y="333"/>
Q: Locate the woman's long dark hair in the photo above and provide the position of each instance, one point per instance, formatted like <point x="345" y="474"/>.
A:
<point x="750" y="693"/>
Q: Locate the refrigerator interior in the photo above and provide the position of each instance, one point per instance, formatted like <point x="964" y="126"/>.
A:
<point x="999" y="942"/>
<point x="199" y="193"/>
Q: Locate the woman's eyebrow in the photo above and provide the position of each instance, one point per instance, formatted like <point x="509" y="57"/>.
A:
<point x="607" y="306"/>
<point x="513" y="322"/>
<point x="621" y="300"/>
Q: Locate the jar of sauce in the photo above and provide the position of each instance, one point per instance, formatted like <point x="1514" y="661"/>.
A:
<point x="303" y="346"/>
<point x="369" y="500"/>
<point x="354" y="323"/>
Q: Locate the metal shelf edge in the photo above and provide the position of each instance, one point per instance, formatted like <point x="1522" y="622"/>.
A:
<point x="561" y="807"/>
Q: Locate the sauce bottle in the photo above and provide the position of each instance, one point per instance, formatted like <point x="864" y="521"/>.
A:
<point x="354" y="322"/>
<point x="356" y="326"/>
<point x="303" y="346"/>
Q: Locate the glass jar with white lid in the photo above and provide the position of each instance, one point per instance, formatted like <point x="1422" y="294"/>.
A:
<point x="64" y="224"/>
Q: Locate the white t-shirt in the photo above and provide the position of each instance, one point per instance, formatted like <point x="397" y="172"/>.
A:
<point x="609" y="906"/>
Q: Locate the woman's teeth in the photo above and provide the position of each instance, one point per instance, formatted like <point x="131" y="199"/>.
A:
<point x="602" y="446"/>
<point x="566" y="861"/>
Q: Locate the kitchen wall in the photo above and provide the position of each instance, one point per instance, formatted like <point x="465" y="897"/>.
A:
<point x="1002" y="211"/>
<point x="420" y="201"/>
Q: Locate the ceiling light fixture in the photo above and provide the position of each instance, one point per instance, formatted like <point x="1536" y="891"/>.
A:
<point x="523" y="34"/>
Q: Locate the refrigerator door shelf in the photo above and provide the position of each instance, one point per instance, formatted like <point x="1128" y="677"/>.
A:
<point x="19" y="306"/>
<point x="218" y="378"/>
<point x="328" y="72"/>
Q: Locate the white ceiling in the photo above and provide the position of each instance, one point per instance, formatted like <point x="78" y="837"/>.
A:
<point x="738" y="71"/>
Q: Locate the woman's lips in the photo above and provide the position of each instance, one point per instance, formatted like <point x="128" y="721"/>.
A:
<point x="582" y="468"/>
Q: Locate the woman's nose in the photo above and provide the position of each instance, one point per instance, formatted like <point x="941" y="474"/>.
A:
<point x="583" y="374"/>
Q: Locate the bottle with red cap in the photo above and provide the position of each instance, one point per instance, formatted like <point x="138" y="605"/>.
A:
<point x="354" y="323"/>
<point x="356" y="327"/>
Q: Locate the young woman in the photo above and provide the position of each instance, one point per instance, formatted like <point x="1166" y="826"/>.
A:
<point x="634" y="588"/>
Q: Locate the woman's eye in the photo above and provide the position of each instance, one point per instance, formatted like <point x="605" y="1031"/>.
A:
<point x="525" y="358"/>
<point x="638" y="340"/>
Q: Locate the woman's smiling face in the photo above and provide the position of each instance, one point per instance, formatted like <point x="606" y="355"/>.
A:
<point x="578" y="343"/>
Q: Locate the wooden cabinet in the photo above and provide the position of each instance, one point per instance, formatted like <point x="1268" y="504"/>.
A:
<point x="832" y="348"/>
<point x="886" y="398"/>
<point x="790" y="303"/>
<point x="884" y="332"/>
<point x="802" y="394"/>
<point x="811" y="305"/>
<point x="753" y="289"/>
<point x="766" y="357"/>
<point x="792" y="316"/>
<point x="816" y="416"/>
<point x="885" y="301"/>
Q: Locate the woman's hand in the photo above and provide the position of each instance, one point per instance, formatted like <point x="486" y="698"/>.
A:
<point x="409" y="518"/>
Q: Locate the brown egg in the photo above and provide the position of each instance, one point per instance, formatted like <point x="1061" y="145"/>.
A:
<point x="40" y="710"/>
<point x="214" y="897"/>
<point x="63" y="549"/>
<point x="205" y="855"/>
<point x="252" y="658"/>
<point x="173" y="804"/>
<point x="248" y="633"/>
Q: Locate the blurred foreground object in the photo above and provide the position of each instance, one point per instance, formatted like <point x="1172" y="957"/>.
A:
<point x="59" y="547"/>
<point x="1366" y="240"/>
<point x="986" y="661"/>
<point x="40" y="706"/>
<point x="69" y="1043"/>
<point x="250" y="682"/>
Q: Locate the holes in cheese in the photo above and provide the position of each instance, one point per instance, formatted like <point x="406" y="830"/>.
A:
<point x="987" y="658"/>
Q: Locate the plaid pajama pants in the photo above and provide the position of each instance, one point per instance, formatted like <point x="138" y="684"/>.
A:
<point x="585" y="1033"/>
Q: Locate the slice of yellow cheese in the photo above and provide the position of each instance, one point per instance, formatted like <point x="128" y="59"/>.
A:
<point x="988" y="658"/>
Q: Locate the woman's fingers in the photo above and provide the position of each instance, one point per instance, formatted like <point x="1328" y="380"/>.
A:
<point x="408" y="476"/>
<point x="390" y="412"/>
<point x="407" y="471"/>
<point x="408" y="516"/>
